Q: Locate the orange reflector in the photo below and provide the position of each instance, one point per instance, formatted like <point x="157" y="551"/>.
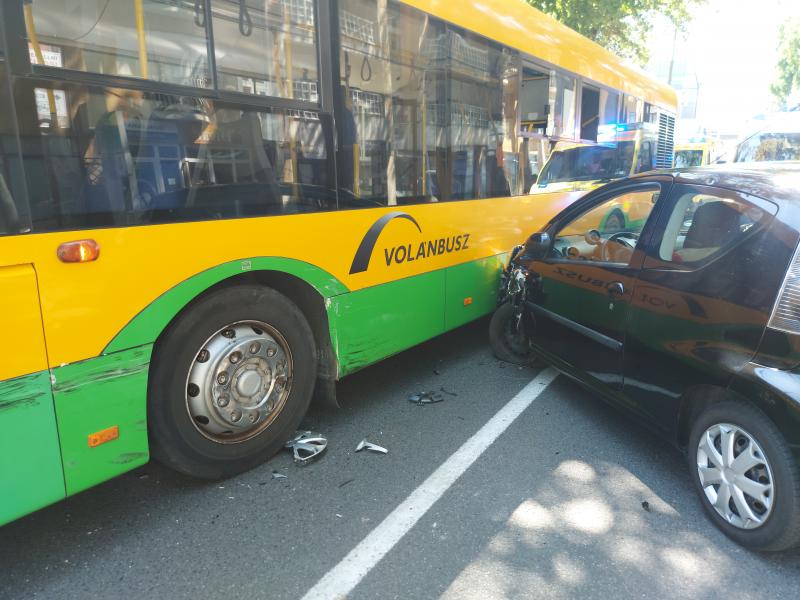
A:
<point x="467" y="300"/>
<point x="103" y="436"/>
<point x="79" y="251"/>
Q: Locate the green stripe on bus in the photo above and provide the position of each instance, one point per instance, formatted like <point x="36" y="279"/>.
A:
<point x="145" y="327"/>
<point x="30" y="462"/>
<point x="373" y="323"/>
<point x="94" y="395"/>
<point x="370" y="324"/>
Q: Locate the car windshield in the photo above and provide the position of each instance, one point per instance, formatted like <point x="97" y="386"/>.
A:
<point x="769" y="146"/>
<point x="587" y="163"/>
<point x="688" y="158"/>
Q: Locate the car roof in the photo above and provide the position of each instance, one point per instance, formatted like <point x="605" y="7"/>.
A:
<point x="777" y="181"/>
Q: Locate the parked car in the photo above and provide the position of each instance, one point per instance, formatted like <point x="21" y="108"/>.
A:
<point x="777" y="139"/>
<point x="690" y="319"/>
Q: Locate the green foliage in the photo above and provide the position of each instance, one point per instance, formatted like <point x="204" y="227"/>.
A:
<point x="786" y="86"/>
<point x="622" y="26"/>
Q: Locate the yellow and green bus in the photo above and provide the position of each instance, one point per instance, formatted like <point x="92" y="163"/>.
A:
<point x="212" y="210"/>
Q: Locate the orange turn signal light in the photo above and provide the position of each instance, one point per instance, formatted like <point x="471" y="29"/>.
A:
<point x="103" y="436"/>
<point x="467" y="300"/>
<point x="79" y="251"/>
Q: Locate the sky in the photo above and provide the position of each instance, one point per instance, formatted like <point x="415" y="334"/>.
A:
<point x="732" y="45"/>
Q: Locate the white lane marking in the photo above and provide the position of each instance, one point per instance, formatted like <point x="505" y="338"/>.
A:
<point x="344" y="577"/>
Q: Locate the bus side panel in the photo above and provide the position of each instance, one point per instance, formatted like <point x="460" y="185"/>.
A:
<point x="30" y="462"/>
<point x="376" y="322"/>
<point x="96" y="395"/>
<point x="472" y="289"/>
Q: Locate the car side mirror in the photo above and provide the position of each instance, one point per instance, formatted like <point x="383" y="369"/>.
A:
<point x="538" y="246"/>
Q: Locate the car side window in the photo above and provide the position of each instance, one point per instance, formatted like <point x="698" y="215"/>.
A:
<point x="607" y="232"/>
<point x="705" y="224"/>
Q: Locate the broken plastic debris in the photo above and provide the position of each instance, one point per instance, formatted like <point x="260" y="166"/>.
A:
<point x="306" y="446"/>
<point x="276" y="475"/>
<point x="425" y="398"/>
<point x="365" y="445"/>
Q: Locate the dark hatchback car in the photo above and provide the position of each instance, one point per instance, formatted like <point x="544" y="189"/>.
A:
<point x="689" y="317"/>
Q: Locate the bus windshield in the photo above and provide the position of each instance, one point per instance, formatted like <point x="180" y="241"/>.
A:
<point x="770" y="146"/>
<point x="688" y="158"/>
<point x="587" y="163"/>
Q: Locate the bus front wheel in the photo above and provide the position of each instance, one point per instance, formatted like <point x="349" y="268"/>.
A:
<point x="231" y="380"/>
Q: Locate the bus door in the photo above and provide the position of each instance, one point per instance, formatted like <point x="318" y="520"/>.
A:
<point x="30" y="458"/>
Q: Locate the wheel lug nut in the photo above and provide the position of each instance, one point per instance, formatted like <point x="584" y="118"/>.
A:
<point x="223" y="401"/>
<point x="222" y="378"/>
<point x="271" y="351"/>
<point x="255" y="347"/>
<point x="203" y="356"/>
<point x="235" y="357"/>
<point x="229" y="333"/>
<point x="192" y="390"/>
<point x="236" y="416"/>
<point x="253" y="417"/>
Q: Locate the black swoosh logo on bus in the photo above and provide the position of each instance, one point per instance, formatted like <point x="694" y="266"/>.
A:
<point x="367" y="245"/>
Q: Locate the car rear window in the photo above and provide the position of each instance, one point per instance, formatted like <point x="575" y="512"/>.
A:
<point x="705" y="224"/>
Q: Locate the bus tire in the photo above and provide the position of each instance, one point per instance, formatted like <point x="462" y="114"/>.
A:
<point x="230" y="382"/>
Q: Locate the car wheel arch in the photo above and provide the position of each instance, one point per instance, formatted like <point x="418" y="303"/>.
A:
<point x="695" y="400"/>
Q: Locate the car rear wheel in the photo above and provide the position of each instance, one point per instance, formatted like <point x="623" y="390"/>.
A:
<point x="230" y="382"/>
<point x="746" y="476"/>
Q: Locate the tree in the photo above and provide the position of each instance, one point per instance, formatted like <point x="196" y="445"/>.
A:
<point x="622" y="26"/>
<point x="786" y="87"/>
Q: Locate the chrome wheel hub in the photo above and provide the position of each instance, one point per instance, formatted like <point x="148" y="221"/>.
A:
<point x="735" y="475"/>
<point x="239" y="381"/>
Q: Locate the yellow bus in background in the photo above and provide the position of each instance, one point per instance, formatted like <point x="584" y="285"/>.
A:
<point x="212" y="210"/>
<point x="693" y="154"/>
<point x="621" y="150"/>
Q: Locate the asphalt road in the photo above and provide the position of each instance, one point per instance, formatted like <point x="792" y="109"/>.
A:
<point x="552" y="509"/>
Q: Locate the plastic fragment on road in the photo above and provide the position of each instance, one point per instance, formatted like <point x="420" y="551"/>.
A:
<point x="421" y="398"/>
<point x="365" y="445"/>
<point x="646" y="505"/>
<point x="306" y="446"/>
<point x="276" y="475"/>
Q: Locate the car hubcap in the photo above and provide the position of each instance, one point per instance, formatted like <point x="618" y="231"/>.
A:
<point x="735" y="475"/>
<point x="239" y="381"/>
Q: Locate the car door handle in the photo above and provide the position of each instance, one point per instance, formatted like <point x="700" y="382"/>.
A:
<point x="615" y="288"/>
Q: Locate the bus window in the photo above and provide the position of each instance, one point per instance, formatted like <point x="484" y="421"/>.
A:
<point x="609" y="107"/>
<point x="590" y="113"/>
<point x="13" y="212"/>
<point x="424" y="114"/>
<point x="128" y="157"/>
<point x="534" y="100"/>
<point x="645" y="160"/>
<point x="162" y="41"/>
<point x="390" y="113"/>
<point x="562" y="90"/>
<point x="273" y="54"/>
<point x="632" y="110"/>
<point x="508" y="154"/>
